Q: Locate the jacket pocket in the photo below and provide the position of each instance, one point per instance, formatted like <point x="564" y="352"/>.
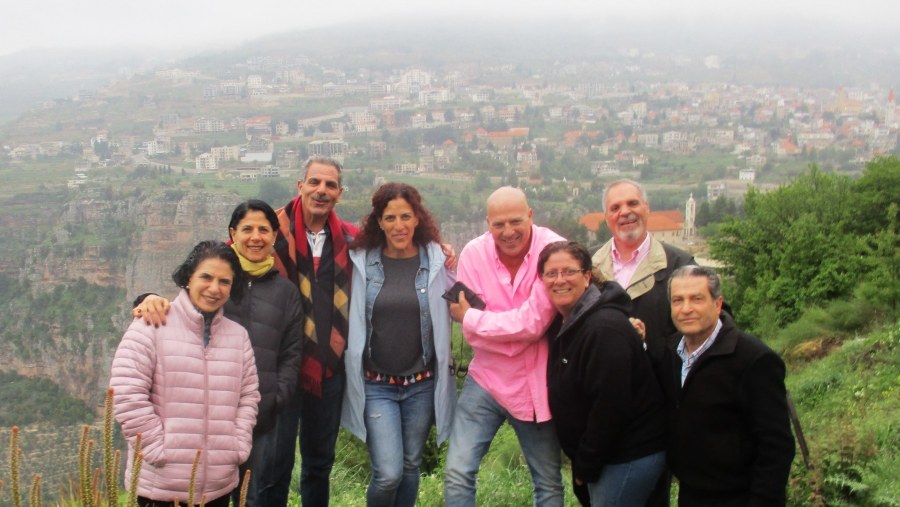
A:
<point x="156" y="455"/>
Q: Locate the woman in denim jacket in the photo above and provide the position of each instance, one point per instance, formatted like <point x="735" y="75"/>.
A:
<point x="398" y="363"/>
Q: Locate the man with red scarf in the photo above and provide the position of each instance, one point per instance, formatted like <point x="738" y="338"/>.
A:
<point x="311" y="251"/>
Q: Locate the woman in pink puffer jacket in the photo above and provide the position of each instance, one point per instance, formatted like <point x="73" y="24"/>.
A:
<point x="190" y="385"/>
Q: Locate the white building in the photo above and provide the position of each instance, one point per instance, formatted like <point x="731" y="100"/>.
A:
<point x="327" y="147"/>
<point x="204" y="125"/>
<point x="206" y="162"/>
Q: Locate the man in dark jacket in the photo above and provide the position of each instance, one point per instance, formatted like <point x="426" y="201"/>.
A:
<point x="730" y="440"/>
<point x="637" y="261"/>
<point x="641" y="264"/>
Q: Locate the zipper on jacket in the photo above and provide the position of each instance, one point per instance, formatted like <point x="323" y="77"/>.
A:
<point x="245" y="306"/>
<point x="204" y="453"/>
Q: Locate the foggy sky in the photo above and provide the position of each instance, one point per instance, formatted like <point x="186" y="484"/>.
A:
<point x="197" y="24"/>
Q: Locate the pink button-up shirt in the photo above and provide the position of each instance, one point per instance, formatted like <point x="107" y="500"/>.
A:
<point x="510" y="360"/>
<point x="623" y="271"/>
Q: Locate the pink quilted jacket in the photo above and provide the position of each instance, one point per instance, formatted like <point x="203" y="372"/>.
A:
<point x="180" y="397"/>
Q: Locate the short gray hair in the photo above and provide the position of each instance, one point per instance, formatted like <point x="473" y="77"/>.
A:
<point x="624" y="181"/>
<point x="322" y="159"/>
<point x="693" y="271"/>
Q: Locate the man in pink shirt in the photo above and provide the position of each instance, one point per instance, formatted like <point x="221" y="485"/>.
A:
<point x="508" y="373"/>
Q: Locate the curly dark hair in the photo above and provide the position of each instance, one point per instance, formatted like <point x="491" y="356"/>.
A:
<point x="211" y="250"/>
<point x="371" y="235"/>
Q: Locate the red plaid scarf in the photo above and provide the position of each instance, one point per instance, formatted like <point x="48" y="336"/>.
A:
<point x="294" y="260"/>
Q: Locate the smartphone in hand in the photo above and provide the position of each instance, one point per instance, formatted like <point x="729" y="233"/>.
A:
<point x="452" y="295"/>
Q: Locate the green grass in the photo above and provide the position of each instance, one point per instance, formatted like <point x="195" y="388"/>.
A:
<point x="849" y="405"/>
<point x="503" y="479"/>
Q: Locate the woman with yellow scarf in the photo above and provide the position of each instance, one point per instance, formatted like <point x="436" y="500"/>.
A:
<point x="272" y="314"/>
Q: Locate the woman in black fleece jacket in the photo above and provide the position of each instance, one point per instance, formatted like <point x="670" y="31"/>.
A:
<point x="604" y="396"/>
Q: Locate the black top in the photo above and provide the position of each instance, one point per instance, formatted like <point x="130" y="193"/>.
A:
<point x="271" y="313"/>
<point x="395" y="347"/>
<point x="604" y="397"/>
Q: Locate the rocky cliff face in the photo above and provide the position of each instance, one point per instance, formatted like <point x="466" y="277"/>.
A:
<point x="71" y="269"/>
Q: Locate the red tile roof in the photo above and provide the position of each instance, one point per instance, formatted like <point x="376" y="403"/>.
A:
<point x="593" y="221"/>
<point x="660" y="221"/>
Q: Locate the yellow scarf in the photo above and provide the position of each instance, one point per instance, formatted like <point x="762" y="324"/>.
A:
<point x="254" y="269"/>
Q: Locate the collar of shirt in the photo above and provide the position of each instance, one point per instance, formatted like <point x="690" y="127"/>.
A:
<point x="317" y="240"/>
<point x="624" y="270"/>
<point x="689" y="358"/>
<point x="502" y="271"/>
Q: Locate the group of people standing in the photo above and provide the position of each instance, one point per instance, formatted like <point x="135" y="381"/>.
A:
<point x="303" y="323"/>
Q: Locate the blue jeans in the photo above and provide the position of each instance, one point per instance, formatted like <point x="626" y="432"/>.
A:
<point x="478" y="417"/>
<point x="320" y="420"/>
<point x="627" y="484"/>
<point x="398" y="419"/>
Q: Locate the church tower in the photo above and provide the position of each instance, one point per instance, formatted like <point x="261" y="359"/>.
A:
<point x="690" y="215"/>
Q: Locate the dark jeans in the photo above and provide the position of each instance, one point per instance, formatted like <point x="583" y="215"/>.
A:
<point x="263" y="465"/>
<point x="146" y="502"/>
<point x="286" y="423"/>
<point x="320" y="420"/>
<point x="659" y="497"/>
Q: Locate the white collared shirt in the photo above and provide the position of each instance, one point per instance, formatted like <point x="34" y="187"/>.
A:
<point x="316" y="241"/>
<point x="689" y="358"/>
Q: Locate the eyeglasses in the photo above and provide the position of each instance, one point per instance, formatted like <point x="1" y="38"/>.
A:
<point x="549" y="276"/>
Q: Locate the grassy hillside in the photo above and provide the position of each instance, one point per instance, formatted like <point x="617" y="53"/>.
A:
<point x="849" y="405"/>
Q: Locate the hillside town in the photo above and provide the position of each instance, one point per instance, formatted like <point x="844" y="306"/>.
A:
<point x="614" y="128"/>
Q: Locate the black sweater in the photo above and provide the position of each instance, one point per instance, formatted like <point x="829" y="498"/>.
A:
<point x="271" y="313"/>
<point x="604" y="397"/>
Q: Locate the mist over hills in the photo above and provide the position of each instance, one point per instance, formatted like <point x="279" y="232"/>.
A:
<point x="772" y="52"/>
<point x="761" y="51"/>
<point x="32" y="76"/>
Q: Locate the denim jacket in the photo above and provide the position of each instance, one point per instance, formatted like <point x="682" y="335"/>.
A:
<point x="432" y="280"/>
<point x="374" y="282"/>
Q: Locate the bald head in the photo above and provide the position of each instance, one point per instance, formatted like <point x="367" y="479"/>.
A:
<point x="509" y="219"/>
<point x="506" y="196"/>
